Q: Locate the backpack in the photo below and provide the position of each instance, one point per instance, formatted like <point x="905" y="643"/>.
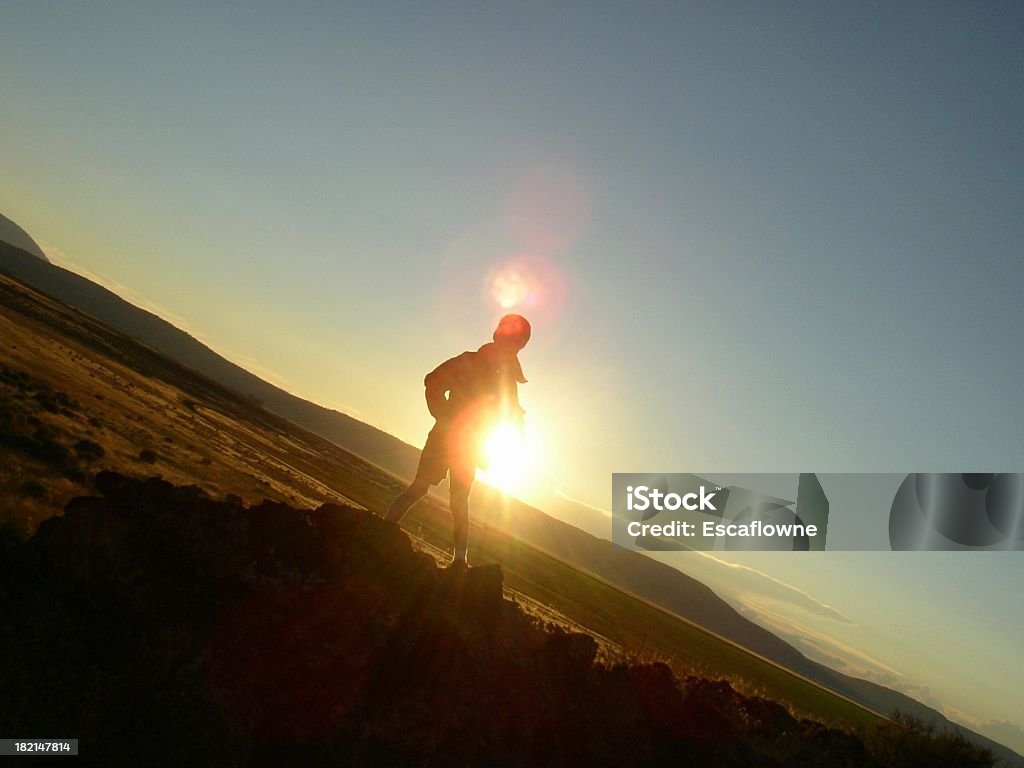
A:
<point x="483" y="382"/>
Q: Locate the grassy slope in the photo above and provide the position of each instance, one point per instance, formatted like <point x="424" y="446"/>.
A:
<point x="96" y="301"/>
<point x="127" y="399"/>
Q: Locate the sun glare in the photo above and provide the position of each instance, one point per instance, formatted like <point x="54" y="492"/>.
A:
<point x="512" y="459"/>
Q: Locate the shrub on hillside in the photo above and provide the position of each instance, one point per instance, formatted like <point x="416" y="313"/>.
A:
<point x="909" y="742"/>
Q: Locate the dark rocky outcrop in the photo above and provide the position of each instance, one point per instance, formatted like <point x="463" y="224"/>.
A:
<point x="161" y="626"/>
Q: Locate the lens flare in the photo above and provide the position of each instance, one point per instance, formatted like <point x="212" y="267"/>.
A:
<point x="529" y="284"/>
<point x="511" y="288"/>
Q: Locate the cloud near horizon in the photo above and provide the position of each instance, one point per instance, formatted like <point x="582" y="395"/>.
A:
<point x="822" y="643"/>
<point x="779" y="590"/>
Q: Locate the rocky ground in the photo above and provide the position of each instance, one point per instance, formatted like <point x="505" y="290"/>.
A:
<point x="160" y="626"/>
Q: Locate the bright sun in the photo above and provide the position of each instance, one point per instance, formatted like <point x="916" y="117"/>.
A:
<point x="512" y="458"/>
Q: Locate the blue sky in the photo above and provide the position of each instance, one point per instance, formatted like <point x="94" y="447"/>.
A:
<point x="771" y="237"/>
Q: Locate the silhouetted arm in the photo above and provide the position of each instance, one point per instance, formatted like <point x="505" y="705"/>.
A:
<point x="437" y="384"/>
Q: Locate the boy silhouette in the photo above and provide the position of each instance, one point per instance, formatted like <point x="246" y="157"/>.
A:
<point x="467" y="395"/>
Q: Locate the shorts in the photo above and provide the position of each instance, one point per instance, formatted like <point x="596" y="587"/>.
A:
<point x="449" y="449"/>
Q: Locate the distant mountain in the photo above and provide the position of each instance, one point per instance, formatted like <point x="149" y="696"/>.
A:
<point x="648" y="579"/>
<point x="14" y="235"/>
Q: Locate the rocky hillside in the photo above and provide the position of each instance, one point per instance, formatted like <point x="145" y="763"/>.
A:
<point x="159" y="626"/>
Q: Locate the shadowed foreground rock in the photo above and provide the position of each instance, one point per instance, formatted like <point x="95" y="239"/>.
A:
<point x="161" y="627"/>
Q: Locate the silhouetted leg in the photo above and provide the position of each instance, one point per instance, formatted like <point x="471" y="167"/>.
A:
<point x="459" y="503"/>
<point x="409" y="496"/>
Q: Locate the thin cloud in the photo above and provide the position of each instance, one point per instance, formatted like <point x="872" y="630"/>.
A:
<point x="59" y="258"/>
<point x="786" y="625"/>
<point x="796" y="595"/>
<point x="53" y="253"/>
<point x="591" y="507"/>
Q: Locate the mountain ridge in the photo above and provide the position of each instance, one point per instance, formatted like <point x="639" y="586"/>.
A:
<point x="12" y="234"/>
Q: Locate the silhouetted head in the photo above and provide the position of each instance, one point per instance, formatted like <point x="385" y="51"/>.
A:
<point x="512" y="331"/>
